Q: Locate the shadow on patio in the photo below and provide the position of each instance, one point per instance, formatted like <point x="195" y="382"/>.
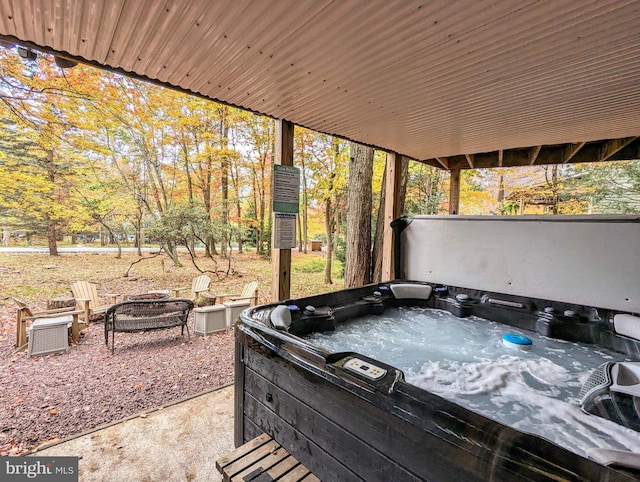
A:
<point x="181" y="441"/>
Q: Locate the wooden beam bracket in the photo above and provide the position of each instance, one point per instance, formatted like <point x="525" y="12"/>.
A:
<point x="609" y="148"/>
<point x="570" y="151"/>
<point x="533" y="155"/>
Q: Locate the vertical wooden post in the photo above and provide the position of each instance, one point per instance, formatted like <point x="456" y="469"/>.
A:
<point x="391" y="212"/>
<point x="454" y="192"/>
<point x="21" y="328"/>
<point x="281" y="258"/>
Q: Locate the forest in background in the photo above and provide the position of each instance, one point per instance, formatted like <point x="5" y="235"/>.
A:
<point x="97" y="156"/>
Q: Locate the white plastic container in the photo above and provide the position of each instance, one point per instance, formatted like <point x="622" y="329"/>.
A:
<point x="49" y="335"/>
<point x="233" y="309"/>
<point x="209" y="319"/>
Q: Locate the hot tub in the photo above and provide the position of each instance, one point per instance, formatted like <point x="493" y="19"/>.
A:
<point x="349" y="415"/>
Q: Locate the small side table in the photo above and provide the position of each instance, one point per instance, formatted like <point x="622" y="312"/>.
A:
<point x="61" y="302"/>
<point x="206" y="298"/>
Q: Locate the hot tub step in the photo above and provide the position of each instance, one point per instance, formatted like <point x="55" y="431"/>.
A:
<point x="262" y="459"/>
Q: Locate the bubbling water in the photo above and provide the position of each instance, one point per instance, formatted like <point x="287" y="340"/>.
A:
<point x="465" y="361"/>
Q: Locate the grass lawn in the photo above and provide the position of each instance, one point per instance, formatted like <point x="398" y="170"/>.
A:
<point x="34" y="278"/>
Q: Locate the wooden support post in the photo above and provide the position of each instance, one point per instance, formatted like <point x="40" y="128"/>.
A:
<point x="281" y="258"/>
<point x="391" y="212"/>
<point x="75" y="327"/>
<point x="21" y="328"/>
<point x="454" y="192"/>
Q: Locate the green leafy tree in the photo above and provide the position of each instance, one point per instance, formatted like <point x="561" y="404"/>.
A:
<point x="425" y="189"/>
<point x="611" y="187"/>
<point x="329" y="164"/>
<point x="258" y="135"/>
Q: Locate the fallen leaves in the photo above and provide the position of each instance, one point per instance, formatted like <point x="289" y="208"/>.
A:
<point x="93" y="388"/>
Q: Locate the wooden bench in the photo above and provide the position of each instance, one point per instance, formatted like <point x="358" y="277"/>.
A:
<point x="146" y="315"/>
<point x="262" y="460"/>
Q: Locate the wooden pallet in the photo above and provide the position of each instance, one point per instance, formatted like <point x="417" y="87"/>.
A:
<point x="262" y="460"/>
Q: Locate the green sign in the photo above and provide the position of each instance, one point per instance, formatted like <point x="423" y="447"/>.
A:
<point x="286" y="189"/>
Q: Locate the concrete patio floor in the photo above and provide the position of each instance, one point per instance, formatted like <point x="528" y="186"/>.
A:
<point x="179" y="442"/>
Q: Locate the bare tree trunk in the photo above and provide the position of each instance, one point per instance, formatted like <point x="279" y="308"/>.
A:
<point x="261" y="206"/>
<point x="224" y="183"/>
<point x="376" y="255"/>
<point x="255" y="208"/>
<point x="239" y="215"/>
<point x="235" y="178"/>
<point x="359" y="205"/>
<point x="328" y="222"/>
<point x="172" y="252"/>
<point x="51" y="236"/>
<point x="139" y="226"/>
<point x="554" y="188"/>
<point x="51" y="223"/>
<point x="304" y="228"/>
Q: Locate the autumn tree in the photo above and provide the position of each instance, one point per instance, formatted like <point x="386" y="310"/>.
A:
<point x="41" y="100"/>
<point x="475" y="193"/>
<point x="303" y="144"/>
<point x="329" y="164"/>
<point x="258" y="135"/>
<point x="18" y="186"/>
<point x="151" y="152"/>
<point x="425" y="189"/>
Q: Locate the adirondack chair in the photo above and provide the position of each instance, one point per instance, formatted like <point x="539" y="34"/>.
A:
<point x="25" y="315"/>
<point x="88" y="299"/>
<point x="249" y="292"/>
<point x="200" y="284"/>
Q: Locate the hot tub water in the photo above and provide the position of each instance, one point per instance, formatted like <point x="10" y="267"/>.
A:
<point x="465" y="361"/>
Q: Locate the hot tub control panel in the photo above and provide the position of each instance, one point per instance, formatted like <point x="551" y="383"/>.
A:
<point x="365" y="368"/>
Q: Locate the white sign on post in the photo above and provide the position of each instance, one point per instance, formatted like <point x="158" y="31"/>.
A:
<point x="284" y="231"/>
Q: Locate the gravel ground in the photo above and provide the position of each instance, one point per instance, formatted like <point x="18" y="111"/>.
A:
<point x="55" y="396"/>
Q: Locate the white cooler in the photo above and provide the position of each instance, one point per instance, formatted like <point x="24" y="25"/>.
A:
<point x="234" y="308"/>
<point x="209" y="319"/>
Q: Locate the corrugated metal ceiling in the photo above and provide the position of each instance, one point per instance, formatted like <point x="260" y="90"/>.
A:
<point x="423" y="78"/>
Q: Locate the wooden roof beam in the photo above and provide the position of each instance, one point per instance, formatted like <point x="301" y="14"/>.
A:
<point x="443" y="162"/>
<point x="469" y="160"/>
<point x="533" y="155"/>
<point x="570" y="151"/>
<point x="609" y="148"/>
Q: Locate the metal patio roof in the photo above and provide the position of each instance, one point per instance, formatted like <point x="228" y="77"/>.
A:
<point x="457" y="84"/>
